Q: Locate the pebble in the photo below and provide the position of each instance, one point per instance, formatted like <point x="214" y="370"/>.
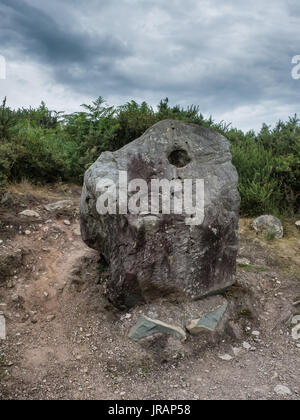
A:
<point x="27" y="232"/>
<point x="29" y="213"/>
<point x="243" y="261"/>
<point x="256" y="333"/>
<point x="226" y="357"/>
<point x="15" y="298"/>
<point x="50" y="318"/>
<point x="282" y="390"/>
<point x="236" y="350"/>
<point x="246" y="345"/>
<point x="67" y="222"/>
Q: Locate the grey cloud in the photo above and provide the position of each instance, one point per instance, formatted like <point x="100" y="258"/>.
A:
<point x="220" y="55"/>
<point x="39" y="36"/>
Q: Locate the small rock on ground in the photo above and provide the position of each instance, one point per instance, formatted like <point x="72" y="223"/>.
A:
<point x="282" y="390"/>
<point x="29" y="213"/>
<point x="269" y="224"/>
<point x="226" y="357"/>
<point x="243" y="261"/>
<point x="246" y="345"/>
<point x="59" y="205"/>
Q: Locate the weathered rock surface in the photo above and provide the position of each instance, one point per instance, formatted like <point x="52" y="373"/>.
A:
<point x="268" y="224"/>
<point x="160" y="255"/>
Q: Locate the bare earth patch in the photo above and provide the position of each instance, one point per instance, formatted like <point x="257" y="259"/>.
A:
<point x="66" y="341"/>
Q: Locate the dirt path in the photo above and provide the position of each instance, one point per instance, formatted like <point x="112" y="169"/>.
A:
<point x="65" y="341"/>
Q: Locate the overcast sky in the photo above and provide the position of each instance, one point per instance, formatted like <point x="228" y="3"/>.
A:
<point x="231" y="58"/>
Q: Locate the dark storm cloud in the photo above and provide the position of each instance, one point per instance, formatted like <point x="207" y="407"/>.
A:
<point x="69" y="52"/>
<point x="38" y="34"/>
<point x="220" y="55"/>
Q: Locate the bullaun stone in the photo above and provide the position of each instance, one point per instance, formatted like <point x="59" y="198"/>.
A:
<point x="160" y="255"/>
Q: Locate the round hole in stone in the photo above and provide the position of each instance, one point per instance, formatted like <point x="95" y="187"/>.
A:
<point x="179" y="158"/>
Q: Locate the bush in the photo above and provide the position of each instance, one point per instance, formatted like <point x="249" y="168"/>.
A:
<point x="260" y="191"/>
<point x="7" y="160"/>
<point x="45" y="146"/>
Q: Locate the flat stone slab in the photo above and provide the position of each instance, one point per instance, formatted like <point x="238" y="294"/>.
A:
<point x="146" y="327"/>
<point x="208" y="322"/>
<point x="2" y="328"/>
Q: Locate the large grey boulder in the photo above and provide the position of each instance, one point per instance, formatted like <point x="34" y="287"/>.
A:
<point x="155" y="255"/>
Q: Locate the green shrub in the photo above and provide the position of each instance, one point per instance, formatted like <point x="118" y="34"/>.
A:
<point x="45" y="146"/>
<point x="260" y="191"/>
<point x="7" y="160"/>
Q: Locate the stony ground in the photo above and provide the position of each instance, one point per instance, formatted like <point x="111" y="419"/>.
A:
<point x="65" y="340"/>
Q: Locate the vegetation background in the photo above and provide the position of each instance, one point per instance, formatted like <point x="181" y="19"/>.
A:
<point x="48" y="146"/>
